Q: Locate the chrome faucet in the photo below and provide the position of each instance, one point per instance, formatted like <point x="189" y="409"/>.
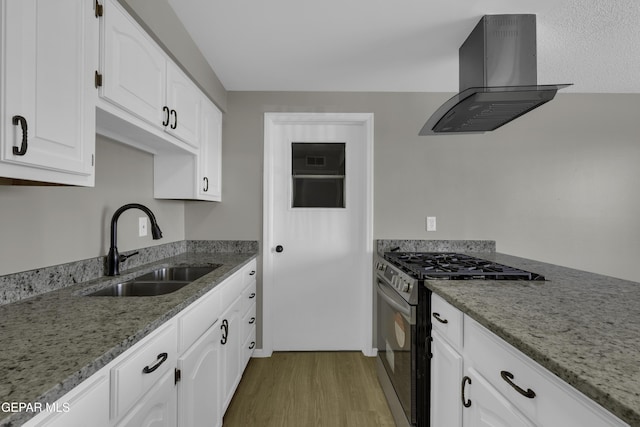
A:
<point x="114" y="258"/>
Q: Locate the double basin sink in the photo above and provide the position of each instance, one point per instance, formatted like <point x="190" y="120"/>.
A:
<point x="158" y="282"/>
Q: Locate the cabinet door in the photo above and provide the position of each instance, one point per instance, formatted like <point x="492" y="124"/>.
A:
<point x="198" y="395"/>
<point x="134" y="67"/>
<point x="231" y="353"/>
<point x="488" y="407"/>
<point x="446" y="375"/>
<point x="183" y="101"/>
<point x="49" y="56"/>
<point x="157" y="408"/>
<point x="88" y="401"/>
<point x="210" y="175"/>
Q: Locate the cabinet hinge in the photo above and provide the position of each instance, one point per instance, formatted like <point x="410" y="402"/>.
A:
<point x="99" y="9"/>
<point x="177" y="376"/>
<point x="98" y="79"/>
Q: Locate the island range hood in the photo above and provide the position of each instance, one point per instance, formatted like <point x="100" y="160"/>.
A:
<point x="498" y="78"/>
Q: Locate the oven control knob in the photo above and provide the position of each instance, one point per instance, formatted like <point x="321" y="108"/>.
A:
<point x="405" y="286"/>
<point x="380" y="266"/>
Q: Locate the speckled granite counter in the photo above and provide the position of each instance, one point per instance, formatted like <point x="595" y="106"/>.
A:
<point x="583" y="327"/>
<point x="53" y="341"/>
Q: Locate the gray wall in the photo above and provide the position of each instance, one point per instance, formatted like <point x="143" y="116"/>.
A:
<point x="557" y="185"/>
<point x="44" y="226"/>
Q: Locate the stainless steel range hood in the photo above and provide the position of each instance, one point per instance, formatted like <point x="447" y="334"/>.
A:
<point x="498" y="78"/>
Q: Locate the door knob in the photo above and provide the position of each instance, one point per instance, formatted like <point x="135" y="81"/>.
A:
<point x="279" y="248"/>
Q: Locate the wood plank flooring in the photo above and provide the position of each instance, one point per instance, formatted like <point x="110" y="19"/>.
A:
<point x="310" y="389"/>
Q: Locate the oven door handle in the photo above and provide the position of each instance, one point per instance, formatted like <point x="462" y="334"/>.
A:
<point x="392" y="300"/>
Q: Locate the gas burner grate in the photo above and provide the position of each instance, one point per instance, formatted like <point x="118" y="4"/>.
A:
<point x="455" y="266"/>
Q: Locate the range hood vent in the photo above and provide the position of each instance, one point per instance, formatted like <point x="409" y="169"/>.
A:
<point x="498" y="78"/>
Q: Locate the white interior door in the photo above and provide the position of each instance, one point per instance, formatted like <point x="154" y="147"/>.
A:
<point x="318" y="233"/>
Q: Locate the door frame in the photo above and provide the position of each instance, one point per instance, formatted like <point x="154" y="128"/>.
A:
<point x="271" y="121"/>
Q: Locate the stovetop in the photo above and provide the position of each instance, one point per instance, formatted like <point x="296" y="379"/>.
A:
<point x="454" y="266"/>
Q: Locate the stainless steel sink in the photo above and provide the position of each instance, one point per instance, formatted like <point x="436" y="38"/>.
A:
<point x="183" y="274"/>
<point x="158" y="282"/>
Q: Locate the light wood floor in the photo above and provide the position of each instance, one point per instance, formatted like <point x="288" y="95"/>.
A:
<point x="310" y="389"/>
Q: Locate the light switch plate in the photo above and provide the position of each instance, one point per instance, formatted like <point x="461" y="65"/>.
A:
<point x="431" y="223"/>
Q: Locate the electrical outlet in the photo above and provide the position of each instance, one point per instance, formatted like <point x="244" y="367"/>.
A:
<point x="431" y="223"/>
<point x="142" y="226"/>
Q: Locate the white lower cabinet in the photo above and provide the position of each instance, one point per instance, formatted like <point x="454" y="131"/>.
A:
<point x="157" y="408"/>
<point x="182" y="374"/>
<point x="487" y="407"/>
<point x="446" y="374"/>
<point x="479" y="380"/>
<point x="88" y="401"/>
<point x="230" y="355"/>
<point x="198" y="388"/>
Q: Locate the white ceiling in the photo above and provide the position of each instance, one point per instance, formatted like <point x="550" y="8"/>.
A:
<point x="404" y="45"/>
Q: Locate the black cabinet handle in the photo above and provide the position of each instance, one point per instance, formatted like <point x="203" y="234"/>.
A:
<point x="174" y="113"/>
<point x="252" y="295"/>
<point x="225" y="331"/>
<point x="252" y="321"/>
<point x="279" y="248"/>
<point x="205" y="188"/>
<point x="465" y="402"/>
<point x="23" y="146"/>
<point x="440" y="319"/>
<point x="252" y="273"/>
<point x="253" y="344"/>
<point x="162" y="357"/>
<point x="165" y="122"/>
<point x="508" y="376"/>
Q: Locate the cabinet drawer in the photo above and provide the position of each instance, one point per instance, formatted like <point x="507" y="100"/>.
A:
<point x="555" y="403"/>
<point x="197" y="319"/>
<point x="249" y="297"/>
<point x="248" y="347"/>
<point x="231" y="290"/>
<point x="248" y="322"/>
<point x="140" y="370"/>
<point x="447" y="320"/>
<point x="249" y="272"/>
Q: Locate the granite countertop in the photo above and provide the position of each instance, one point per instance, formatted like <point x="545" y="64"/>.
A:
<point x="583" y="327"/>
<point x="52" y="342"/>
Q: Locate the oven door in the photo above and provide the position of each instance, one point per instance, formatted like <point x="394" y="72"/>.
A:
<point x="397" y="345"/>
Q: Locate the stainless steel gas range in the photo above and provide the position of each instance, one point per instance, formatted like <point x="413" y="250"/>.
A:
<point x="404" y="326"/>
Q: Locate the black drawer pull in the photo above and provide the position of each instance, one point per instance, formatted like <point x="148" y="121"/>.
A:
<point x="19" y="120"/>
<point x="465" y="402"/>
<point x="440" y="319"/>
<point x="225" y="331"/>
<point x="252" y="320"/>
<point x="253" y="344"/>
<point x="174" y="125"/>
<point x="165" y="122"/>
<point x="162" y="357"/>
<point x="206" y="184"/>
<point x="252" y="295"/>
<point x="252" y="273"/>
<point x="508" y="376"/>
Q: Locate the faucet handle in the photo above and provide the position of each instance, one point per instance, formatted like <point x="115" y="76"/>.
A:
<point x="123" y="258"/>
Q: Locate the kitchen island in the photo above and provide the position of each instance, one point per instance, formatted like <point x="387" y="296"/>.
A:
<point x="583" y="327"/>
<point x="53" y="341"/>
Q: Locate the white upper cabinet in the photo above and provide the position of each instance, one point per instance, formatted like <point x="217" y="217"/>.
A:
<point x="134" y="67"/>
<point x="148" y="102"/>
<point x="183" y="103"/>
<point x="49" y="57"/>
<point x="210" y="167"/>
<point x="141" y="79"/>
